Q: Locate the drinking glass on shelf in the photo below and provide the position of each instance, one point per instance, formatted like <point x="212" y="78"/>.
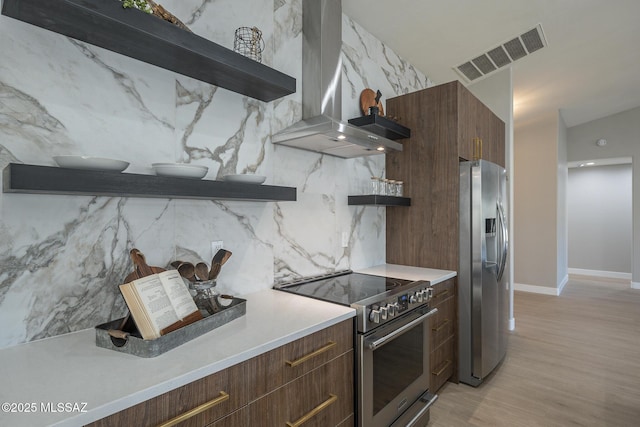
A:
<point x="399" y="188"/>
<point x="383" y="187"/>
<point x="375" y="185"/>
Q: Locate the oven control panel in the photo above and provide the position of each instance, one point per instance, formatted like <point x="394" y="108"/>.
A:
<point x="388" y="309"/>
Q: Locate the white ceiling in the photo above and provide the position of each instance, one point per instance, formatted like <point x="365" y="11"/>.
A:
<point x="589" y="69"/>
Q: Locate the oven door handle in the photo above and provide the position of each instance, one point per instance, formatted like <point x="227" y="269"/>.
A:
<point x="374" y="344"/>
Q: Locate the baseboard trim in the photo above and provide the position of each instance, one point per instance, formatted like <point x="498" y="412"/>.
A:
<point x="536" y="289"/>
<point x="563" y="283"/>
<point x="635" y="285"/>
<point x="600" y="273"/>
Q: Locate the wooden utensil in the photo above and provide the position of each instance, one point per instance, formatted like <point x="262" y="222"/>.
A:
<point x="188" y="271"/>
<point x="219" y="259"/>
<point x="369" y="98"/>
<point x="141" y="269"/>
<point x="202" y="271"/>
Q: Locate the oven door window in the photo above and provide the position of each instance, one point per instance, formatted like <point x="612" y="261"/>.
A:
<point x="396" y="365"/>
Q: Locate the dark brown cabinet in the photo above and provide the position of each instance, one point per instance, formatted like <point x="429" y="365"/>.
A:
<point x="442" y="359"/>
<point x="308" y="381"/>
<point x="197" y="404"/>
<point x="445" y="120"/>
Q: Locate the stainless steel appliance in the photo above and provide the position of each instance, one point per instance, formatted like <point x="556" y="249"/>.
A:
<point x="483" y="290"/>
<point x="392" y="343"/>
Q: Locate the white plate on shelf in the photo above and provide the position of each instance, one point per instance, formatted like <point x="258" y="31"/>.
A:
<point x="180" y="170"/>
<point x="91" y="163"/>
<point x="246" y="179"/>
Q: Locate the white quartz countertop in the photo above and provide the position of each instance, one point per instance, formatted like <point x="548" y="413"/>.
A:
<point x="92" y="382"/>
<point x="410" y="273"/>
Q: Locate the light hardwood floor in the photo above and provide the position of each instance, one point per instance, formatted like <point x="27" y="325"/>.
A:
<point x="573" y="360"/>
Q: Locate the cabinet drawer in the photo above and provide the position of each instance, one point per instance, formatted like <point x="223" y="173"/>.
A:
<point x="226" y="391"/>
<point x="284" y="364"/>
<point x="442" y="291"/>
<point x="442" y="324"/>
<point x="321" y="398"/>
<point x="442" y="364"/>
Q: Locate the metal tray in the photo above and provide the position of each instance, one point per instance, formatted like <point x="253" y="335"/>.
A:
<point x="135" y="345"/>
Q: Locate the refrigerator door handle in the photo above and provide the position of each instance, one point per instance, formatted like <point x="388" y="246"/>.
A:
<point x="504" y="234"/>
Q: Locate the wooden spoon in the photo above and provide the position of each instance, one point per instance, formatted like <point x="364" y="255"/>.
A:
<point x="187" y="270"/>
<point x="217" y="262"/>
<point x="202" y="271"/>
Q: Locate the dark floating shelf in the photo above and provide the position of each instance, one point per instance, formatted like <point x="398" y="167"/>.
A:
<point x="131" y="32"/>
<point x="382" y="126"/>
<point x="31" y="179"/>
<point x="376" y="200"/>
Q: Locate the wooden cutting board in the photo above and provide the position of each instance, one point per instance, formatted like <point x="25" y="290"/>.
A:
<point x="368" y="99"/>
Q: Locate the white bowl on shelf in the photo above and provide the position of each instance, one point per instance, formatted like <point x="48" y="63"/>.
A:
<point x="245" y="178"/>
<point x="91" y="163"/>
<point x="180" y="170"/>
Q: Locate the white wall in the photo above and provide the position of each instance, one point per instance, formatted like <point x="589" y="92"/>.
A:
<point x="600" y="213"/>
<point x="536" y="205"/>
<point x="622" y="132"/>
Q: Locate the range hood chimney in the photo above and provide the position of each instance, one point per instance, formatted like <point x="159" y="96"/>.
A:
<point x="321" y="128"/>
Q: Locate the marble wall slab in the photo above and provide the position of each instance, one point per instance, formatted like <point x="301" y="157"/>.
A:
<point x="62" y="257"/>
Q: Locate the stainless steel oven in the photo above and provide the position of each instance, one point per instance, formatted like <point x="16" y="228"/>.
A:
<point x="394" y="372"/>
<point x="392" y="343"/>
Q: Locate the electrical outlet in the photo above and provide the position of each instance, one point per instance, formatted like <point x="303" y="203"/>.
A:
<point x="345" y="239"/>
<point x="216" y="246"/>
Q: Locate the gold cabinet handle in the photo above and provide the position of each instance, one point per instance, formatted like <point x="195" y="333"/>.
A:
<point x="441" y="370"/>
<point x="315" y="411"/>
<point x="477" y="148"/>
<point x="318" y="352"/>
<point x="441" y="293"/>
<point x="441" y="325"/>
<point x="195" y="411"/>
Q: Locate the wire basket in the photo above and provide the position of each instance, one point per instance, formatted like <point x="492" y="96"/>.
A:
<point x="248" y="42"/>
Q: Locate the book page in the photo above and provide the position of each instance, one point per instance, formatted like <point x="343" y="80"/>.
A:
<point x="179" y="295"/>
<point x="154" y="297"/>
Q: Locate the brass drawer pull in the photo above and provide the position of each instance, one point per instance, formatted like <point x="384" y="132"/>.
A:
<point x="441" y="325"/>
<point x="441" y="370"/>
<point x="441" y="293"/>
<point x="315" y="411"/>
<point x="318" y="352"/>
<point x="195" y="411"/>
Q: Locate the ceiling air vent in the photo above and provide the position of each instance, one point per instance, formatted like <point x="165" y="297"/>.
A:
<point x="500" y="56"/>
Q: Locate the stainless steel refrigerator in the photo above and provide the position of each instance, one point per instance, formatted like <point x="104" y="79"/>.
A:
<point x="483" y="292"/>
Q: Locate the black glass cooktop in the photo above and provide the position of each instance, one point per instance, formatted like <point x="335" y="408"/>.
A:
<point x="345" y="289"/>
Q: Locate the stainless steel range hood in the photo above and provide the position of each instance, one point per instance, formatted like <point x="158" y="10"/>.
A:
<point x="322" y="129"/>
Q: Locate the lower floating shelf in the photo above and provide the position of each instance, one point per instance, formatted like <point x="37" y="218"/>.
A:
<point x="377" y="200"/>
<point x="31" y="179"/>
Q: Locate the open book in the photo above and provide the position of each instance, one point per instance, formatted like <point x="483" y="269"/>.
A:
<point x="160" y="303"/>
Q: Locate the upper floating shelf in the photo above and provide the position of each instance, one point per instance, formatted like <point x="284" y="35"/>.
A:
<point x="136" y="34"/>
<point x="382" y="126"/>
<point x="378" y="200"/>
<point x="31" y="179"/>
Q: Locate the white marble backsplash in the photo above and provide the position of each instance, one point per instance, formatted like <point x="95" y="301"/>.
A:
<point x="62" y="257"/>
